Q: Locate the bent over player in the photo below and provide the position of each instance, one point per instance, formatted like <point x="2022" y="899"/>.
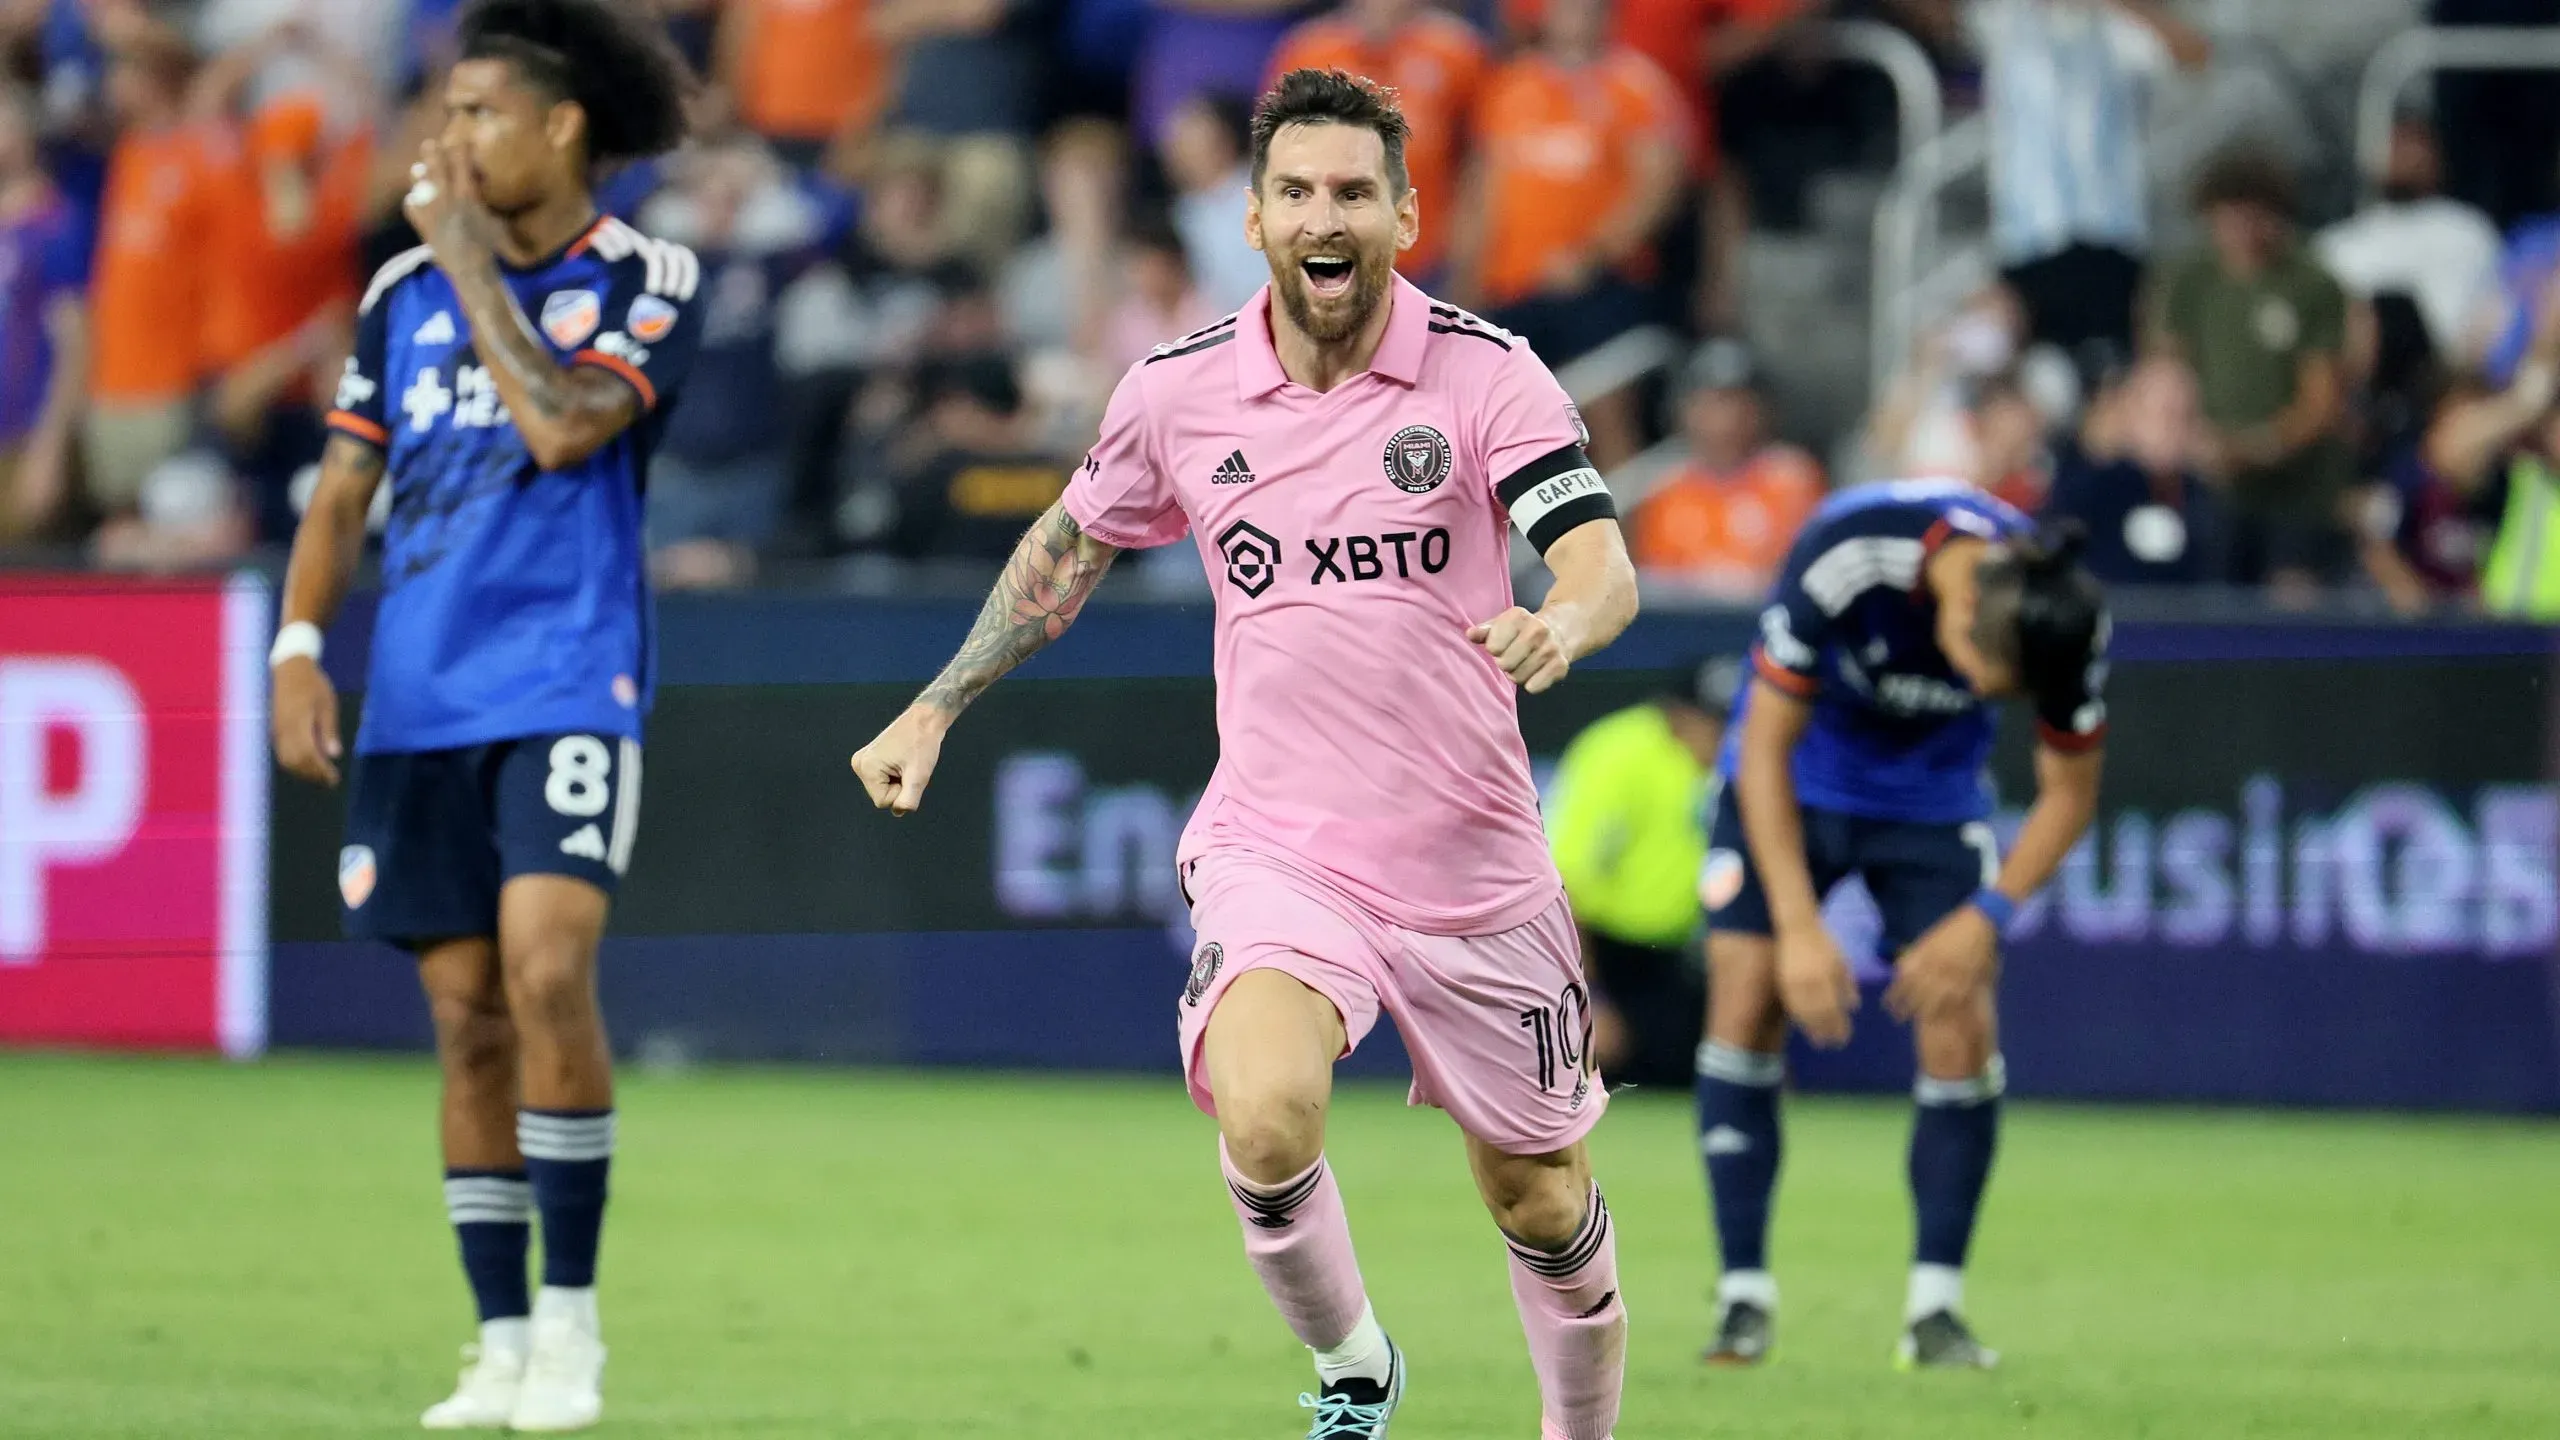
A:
<point x="1348" y="451"/>
<point x="1902" y="611"/>
<point x="509" y="377"/>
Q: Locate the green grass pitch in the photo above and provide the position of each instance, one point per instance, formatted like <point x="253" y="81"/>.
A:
<point x="195" y="1250"/>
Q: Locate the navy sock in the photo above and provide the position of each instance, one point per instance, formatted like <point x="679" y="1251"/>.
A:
<point x="1954" y="1133"/>
<point x="1738" y="1135"/>
<point x="568" y="1154"/>
<point x="492" y="1214"/>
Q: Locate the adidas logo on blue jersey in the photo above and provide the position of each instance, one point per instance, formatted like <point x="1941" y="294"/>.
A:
<point x="437" y="331"/>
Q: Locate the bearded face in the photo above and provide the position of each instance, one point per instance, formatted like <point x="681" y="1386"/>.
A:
<point x="1327" y="219"/>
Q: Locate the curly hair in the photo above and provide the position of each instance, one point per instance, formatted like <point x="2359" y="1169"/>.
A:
<point x="611" y="58"/>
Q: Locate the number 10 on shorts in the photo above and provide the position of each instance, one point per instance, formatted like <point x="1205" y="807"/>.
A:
<point x="1560" y="1036"/>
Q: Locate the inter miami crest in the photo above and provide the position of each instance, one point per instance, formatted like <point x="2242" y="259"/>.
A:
<point x="1417" y="459"/>
<point x="1204" y="972"/>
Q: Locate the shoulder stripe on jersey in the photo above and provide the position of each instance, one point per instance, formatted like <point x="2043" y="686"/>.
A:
<point x="400" y="267"/>
<point x="1853" y="567"/>
<point x="612" y="240"/>
<point x="1456" y="316"/>
<point x="1490" y="337"/>
<point x="1205" y="331"/>
<point x="673" y="271"/>
<point x="1177" y="350"/>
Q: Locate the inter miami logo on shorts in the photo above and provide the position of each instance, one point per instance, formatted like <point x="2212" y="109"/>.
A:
<point x="1417" y="459"/>
<point x="1253" y="557"/>
<point x="1204" y="972"/>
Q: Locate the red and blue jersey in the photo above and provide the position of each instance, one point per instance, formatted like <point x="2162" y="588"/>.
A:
<point x="515" y="599"/>
<point x="1896" y="733"/>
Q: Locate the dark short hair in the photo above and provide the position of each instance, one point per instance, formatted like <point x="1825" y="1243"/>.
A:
<point x="2041" y="613"/>
<point x="1331" y="97"/>
<point x="2247" y="175"/>
<point x="611" y="58"/>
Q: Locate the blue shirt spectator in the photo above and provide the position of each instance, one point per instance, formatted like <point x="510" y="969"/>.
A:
<point x="44" y="263"/>
<point x="44" y="270"/>
<point x="2533" y="256"/>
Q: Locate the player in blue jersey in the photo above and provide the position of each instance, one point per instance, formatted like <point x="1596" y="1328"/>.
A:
<point x="1903" y="611"/>
<point x="510" y="377"/>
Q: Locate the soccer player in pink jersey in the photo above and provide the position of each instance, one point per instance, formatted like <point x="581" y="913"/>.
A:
<point x="1349" y="451"/>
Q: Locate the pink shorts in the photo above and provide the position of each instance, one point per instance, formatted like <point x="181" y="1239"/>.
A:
<point x="1498" y="1026"/>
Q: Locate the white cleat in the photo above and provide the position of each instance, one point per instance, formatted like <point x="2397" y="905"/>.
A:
<point x="564" y="1379"/>
<point x="485" y="1399"/>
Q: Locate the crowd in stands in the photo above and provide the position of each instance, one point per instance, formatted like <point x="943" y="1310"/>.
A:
<point x="935" y="231"/>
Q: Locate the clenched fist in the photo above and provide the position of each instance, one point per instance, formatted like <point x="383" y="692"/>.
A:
<point x="896" y="764"/>
<point x="1526" y="647"/>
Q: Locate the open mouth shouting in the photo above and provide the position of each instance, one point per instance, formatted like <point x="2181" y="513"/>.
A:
<point x="1329" y="277"/>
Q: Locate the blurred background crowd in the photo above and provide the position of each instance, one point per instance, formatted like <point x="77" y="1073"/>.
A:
<point x="2164" y="295"/>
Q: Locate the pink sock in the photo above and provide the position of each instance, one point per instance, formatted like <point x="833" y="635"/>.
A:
<point x="1299" y="1241"/>
<point x="1576" y="1324"/>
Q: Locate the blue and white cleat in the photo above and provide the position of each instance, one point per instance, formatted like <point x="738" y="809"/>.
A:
<point x="1357" y="1409"/>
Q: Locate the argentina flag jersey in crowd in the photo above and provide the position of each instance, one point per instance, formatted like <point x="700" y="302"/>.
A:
<point x="1896" y="733"/>
<point x="515" y="599"/>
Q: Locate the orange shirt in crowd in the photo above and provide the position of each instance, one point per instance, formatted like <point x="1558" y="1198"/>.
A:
<point x="152" y="269"/>
<point x="1673" y="34"/>
<point x="1728" y="533"/>
<point x="808" y="68"/>
<point x="284" y="228"/>
<point x="1437" y="63"/>
<point x="1559" y="144"/>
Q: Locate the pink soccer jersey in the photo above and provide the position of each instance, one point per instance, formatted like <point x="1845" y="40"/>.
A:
<point x="1351" y="539"/>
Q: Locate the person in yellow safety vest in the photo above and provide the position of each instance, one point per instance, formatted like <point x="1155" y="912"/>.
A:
<point x="2512" y="436"/>
<point x="1627" y="817"/>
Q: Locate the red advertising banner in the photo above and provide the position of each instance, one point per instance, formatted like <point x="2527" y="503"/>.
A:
<point x="133" y="812"/>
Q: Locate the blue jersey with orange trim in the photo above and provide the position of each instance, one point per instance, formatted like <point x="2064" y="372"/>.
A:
<point x="515" y="599"/>
<point x="1896" y="733"/>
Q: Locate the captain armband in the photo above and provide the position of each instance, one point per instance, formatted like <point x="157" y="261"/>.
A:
<point x="1554" y="494"/>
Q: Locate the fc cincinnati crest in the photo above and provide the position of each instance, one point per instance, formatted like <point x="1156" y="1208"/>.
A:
<point x="570" y="316"/>
<point x="1417" y="459"/>
<point x="651" y="320"/>
<point x="1204" y="971"/>
<point x="355" y="875"/>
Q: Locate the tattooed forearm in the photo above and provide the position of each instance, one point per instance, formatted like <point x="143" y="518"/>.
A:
<point x="563" y="414"/>
<point x="1047" y="581"/>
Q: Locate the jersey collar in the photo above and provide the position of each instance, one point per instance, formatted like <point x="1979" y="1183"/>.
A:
<point x="571" y="251"/>
<point x="1399" y="356"/>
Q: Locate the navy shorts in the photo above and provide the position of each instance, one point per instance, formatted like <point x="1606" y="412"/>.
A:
<point x="433" y="834"/>
<point x="1918" y="874"/>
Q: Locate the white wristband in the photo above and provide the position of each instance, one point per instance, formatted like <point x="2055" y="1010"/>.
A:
<point x="298" y="640"/>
